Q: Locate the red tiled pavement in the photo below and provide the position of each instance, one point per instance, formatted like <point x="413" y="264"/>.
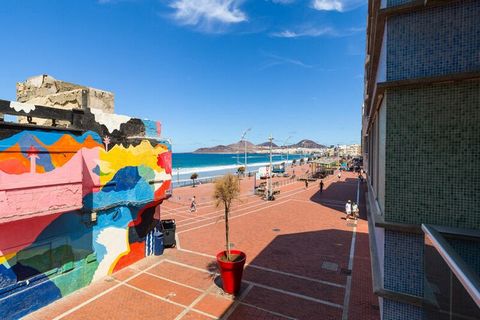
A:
<point x="287" y="242"/>
<point x="126" y="303"/>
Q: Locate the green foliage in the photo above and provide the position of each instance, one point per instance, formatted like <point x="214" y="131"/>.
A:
<point x="194" y="177"/>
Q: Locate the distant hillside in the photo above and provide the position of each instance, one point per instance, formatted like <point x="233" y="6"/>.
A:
<point x="309" y="144"/>
<point x="216" y="149"/>
<point x="240" y="146"/>
<point x="262" y="147"/>
<point x="267" y="144"/>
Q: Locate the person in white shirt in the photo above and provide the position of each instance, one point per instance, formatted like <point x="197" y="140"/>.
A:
<point x="348" y="208"/>
<point x="355" y="211"/>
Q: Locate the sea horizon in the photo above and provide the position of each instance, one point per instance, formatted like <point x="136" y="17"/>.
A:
<point x="211" y="165"/>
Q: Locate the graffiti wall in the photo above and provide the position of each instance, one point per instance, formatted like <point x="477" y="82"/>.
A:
<point x="76" y="203"/>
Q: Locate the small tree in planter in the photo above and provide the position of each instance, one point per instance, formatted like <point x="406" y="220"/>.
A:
<point x="194" y="177"/>
<point x="294" y="161"/>
<point x="230" y="261"/>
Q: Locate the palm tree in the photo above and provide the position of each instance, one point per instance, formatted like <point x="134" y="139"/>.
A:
<point x="227" y="189"/>
<point x="194" y="176"/>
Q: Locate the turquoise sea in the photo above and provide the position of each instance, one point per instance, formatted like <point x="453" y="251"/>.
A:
<point x="208" y="166"/>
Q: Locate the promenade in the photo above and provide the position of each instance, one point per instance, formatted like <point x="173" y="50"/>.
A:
<point x="304" y="261"/>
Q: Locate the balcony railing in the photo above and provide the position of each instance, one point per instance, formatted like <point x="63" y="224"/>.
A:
<point x="452" y="268"/>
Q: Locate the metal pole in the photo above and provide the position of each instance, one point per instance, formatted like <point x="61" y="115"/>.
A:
<point x="245" y="157"/>
<point x="270" y="171"/>
<point x="245" y="141"/>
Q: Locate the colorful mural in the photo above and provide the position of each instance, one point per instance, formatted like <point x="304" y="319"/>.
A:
<point x="76" y="204"/>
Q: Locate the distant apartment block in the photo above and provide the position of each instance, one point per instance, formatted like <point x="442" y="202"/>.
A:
<point x="420" y="140"/>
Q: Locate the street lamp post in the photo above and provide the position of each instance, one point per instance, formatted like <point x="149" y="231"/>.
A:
<point x="245" y="141"/>
<point x="270" y="171"/>
<point x="285" y="145"/>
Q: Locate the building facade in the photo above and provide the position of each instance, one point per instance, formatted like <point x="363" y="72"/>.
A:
<point x="77" y="202"/>
<point x="421" y="139"/>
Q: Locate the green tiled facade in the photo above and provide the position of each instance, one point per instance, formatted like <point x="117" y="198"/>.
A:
<point x="433" y="156"/>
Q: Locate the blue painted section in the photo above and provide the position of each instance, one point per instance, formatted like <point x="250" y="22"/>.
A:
<point x="149" y="243"/>
<point x="46" y="137"/>
<point x="126" y="186"/>
<point x="125" y="179"/>
<point x="150" y="128"/>
<point x="26" y="298"/>
<point x="7" y="277"/>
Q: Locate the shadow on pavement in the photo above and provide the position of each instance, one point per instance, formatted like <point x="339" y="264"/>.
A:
<point x="338" y="193"/>
<point x="303" y="276"/>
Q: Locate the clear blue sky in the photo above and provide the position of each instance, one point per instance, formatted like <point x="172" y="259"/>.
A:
<point x="208" y="69"/>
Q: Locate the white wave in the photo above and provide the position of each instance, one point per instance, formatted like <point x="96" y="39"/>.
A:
<point x="223" y="167"/>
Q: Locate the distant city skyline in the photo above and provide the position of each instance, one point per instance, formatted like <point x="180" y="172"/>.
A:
<point x="207" y="69"/>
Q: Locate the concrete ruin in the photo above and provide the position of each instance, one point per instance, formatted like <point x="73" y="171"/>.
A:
<point x="45" y="90"/>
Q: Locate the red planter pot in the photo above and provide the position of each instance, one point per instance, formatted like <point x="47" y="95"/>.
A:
<point x="231" y="272"/>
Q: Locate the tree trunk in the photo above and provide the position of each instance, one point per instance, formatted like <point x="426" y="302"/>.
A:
<point x="227" y="231"/>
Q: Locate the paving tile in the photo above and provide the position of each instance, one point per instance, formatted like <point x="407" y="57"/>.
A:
<point x="296" y="285"/>
<point x="192" y="315"/>
<point x="291" y="306"/>
<point x="165" y="289"/>
<point x="63" y="305"/>
<point x="124" y="274"/>
<point x="243" y="312"/>
<point x="184" y="275"/>
<point x="214" y="304"/>
<point x="126" y="303"/>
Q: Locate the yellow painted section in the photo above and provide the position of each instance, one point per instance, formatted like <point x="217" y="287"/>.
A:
<point x="119" y="157"/>
<point x="7" y="257"/>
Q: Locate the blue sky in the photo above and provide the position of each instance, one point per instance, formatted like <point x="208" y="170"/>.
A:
<point x="208" y="69"/>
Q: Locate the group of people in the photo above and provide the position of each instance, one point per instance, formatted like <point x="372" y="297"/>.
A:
<point x="351" y="209"/>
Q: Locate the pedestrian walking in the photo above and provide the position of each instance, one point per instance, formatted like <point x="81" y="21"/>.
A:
<point x="348" y="209"/>
<point x="321" y="186"/>
<point x="339" y="175"/>
<point x="193" y="205"/>
<point x="355" y="211"/>
<point x="306" y="183"/>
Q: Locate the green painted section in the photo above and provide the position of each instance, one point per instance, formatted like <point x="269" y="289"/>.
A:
<point x="78" y="277"/>
<point x="432" y="172"/>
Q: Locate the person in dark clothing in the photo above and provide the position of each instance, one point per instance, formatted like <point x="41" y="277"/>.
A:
<point x="321" y="186"/>
<point x="306" y="183"/>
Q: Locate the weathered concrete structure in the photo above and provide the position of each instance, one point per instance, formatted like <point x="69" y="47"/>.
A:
<point x="76" y="203"/>
<point x="47" y="91"/>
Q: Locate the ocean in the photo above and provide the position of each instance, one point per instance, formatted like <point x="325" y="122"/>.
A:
<point x="208" y="166"/>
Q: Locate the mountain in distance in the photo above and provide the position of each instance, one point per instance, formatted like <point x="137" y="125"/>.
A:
<point x="308" y="144"/>
<point x="267" y="144"/>
<point x="217" y="149"/>
<point x="240" y="147"/>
